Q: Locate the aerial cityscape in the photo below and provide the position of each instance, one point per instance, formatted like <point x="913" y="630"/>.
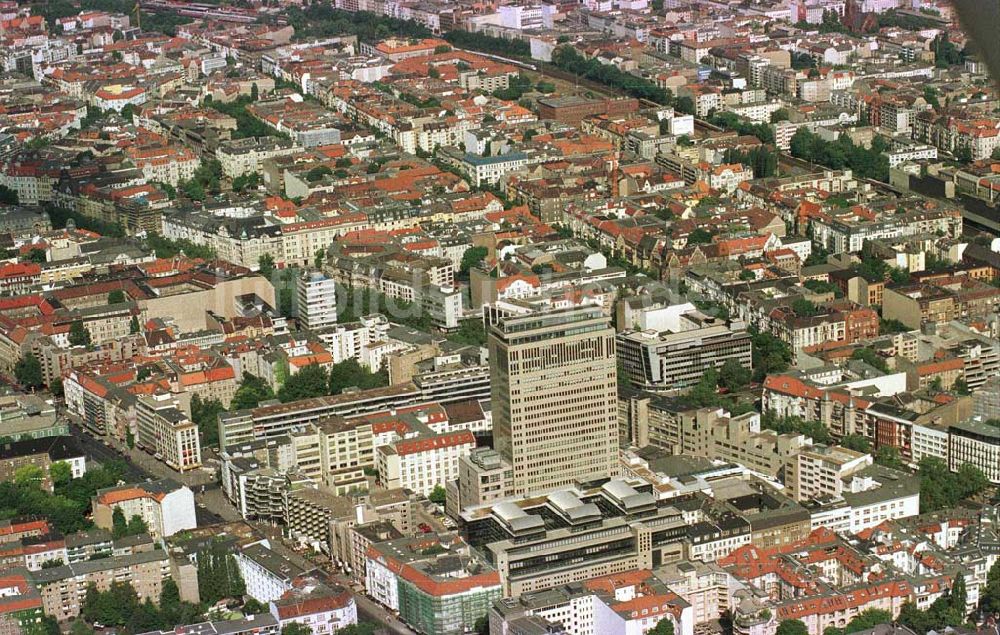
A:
<point x="500" y="317"/>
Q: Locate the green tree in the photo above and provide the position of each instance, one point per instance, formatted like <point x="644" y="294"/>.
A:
<point x="733" y="375"/>
<point x="438" y="495"/>
<point x="664" y="627"/>
<point x="37" y="256"/>
<point x="349" y="373"/>
<point x="989" y="597"/>
<point x="78" y="334"/>
<point x="699" y="237"/>
<point x="888" y="456"/>
<point x="266" y="265"/>
<point x="137" y="526"/>
<point x="317" y="173"/>
<point x="133" y="325"/>
<point x="117" y="296"/>
<point x="770" y="355"/>
<point x="251" y="392"/>
<point x="253" y="607"/>
<point x="56" y="387"/>
<point x="295" y="628"/>
<point x="781" y="114"/>
<point x="205" y="413"/>
<point x="119" y="525"/>
<point x="804" y="308"/>
<point x="870" y="357"/>
<point x="60" y="473"/>
<point x="319" y="258"/>
<point x="856" y="442"/>
<point x="868" y="619"/>
<point x="49" y="625"/>
<point x="8" y="196"/>
<point x="311" y="381"/>
<point x="79" y="627"/>
<point x="29" y="475"/>
<point x="28" y="371"/>
<point x="792" y="627"/>
<point x="471" y="257"/>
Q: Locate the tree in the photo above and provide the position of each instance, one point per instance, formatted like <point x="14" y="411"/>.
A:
<point x="28" y="371"/>
<point x="266" y="265"/>
<point x="699" y="237"/>
<point x="664" y="627"/>
<point x="8" y="196"/>
<point x="205" y="413"/>
<point x="78" y="334"/>
<point x="37" y="256"/>
<point x="117" y="296"/>
<point x="311" y="381"/>
<point x="349" y="373"/>
<point x="989" y="597"/>
<point x="471" y="257"/>
<point x="733" y="376"/>
<point x="856" y="442"/>
<point x="252" y="607"/>
<point x="254" y="92"/>
<point x="133" y="325"/>
<point x="318" y="173"/>
<point x="56" y="387"/>
<point x="889" y="457"/>
<point x="792" y="627"/>
<point x="781" y="114"/>
<point x="60" y="473"/>
<point x="137" y="526"/>
<point x="319" y="258"/>
<point x="295" y="628"/>
<point x="684" y="105"/>
<point x="870" y="357"/>
<point x="438" y="495"/>
<point x="958" y="594"/>
<point x="251" y="392"/>
<point x="963" y="154"/>
<point x="942" y="489"/>
<point x="119" y="526"/>
<point x="804" y="308"/>
<point x="770" y="355"/>
<point x="79" y="627"/>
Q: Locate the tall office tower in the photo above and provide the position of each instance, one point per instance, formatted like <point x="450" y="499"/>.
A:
<point x="554" y="392"/>
<point x="317" y="300"/>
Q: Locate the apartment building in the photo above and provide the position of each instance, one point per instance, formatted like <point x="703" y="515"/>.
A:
<point x="420" y="464"/>
<point x="309" y="514"/>
<point x="334" y="451"/>
<point x="64" y="588"/>
<point x="433" y="581"/>
<point x="167" y="433"/>
<point x="166" y="506"/>
<point x="41" y="453"/>
<point x="20" y="603"/>
<point x="240" y="157"/>
<point x="818" y="471"/>
<point x="321" y="608"/>
<point x="539" y="358"/>
<point x="316" y="300"/>
<point x="267" y="574"/>
<point x="483" y="477"/>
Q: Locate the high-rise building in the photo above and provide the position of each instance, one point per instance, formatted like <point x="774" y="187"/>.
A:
<point x="554" y="392"/>
<point x="316" y="300"/>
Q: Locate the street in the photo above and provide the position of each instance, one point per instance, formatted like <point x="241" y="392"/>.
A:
<point x="212" y="507"/>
